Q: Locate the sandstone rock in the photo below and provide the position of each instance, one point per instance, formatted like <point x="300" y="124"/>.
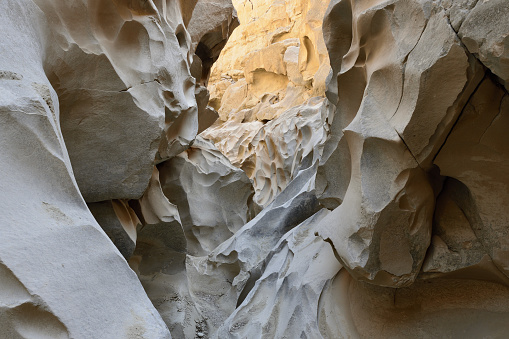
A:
<point x="212" y="23"/>
<point x="285" y="299"/>
<point x="286" y="49"/>
<point x="434" y="308"/>
<point x="159" y="258"/>
<point x="65" y="276"/>
<point x="353" y="186"/>
<point x="277" y="81"/>
<point x="76" y="65"/>
<point x="213" y="196"/>
<point x="476" y="155"/>
<point x="485" y="32"/>
<point x="396" y="103"/>
<point x="110" y="75"/>
<point x="222" y="279"/>
<point x="270" y="153"/>
<point x="119" y="222"/>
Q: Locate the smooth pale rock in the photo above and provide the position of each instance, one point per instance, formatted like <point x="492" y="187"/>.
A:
<point x="214" y="197"/>
<point x="396" y="103"/>
<point x="405" y="89"/>
<point x="222" y="279"/>
<point x="134" y="79"/>
<point x="77" y="283"/>
<point x="454" y="244"/>
<point x="214" y="200"/>
<point x="284" y="301"/>
<point x="388" y="196"/>
<point x="427" y="99"/>
<point x="334" y="170"/>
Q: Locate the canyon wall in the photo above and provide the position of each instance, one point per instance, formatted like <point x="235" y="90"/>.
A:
<point x="255" y="169"/>
<point x="94" y="94"/>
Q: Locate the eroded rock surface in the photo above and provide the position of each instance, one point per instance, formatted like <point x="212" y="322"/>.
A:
<point x="408" y="139"/>
<point x="93" y="95"/>
<point x="354" y="185"/>
<point x="271" y="100"/>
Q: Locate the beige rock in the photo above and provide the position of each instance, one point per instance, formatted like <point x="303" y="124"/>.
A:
<point x="476" y="154"/>
<point x="275" y="82"/>
<point x="427" y="309"/>
<point x="268" y="29"/>
<point x="485" y="32"/>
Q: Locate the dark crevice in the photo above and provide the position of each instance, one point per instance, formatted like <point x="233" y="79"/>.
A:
<point x="408" y="148"/>
<point x="461" y="23"/>
<point x="404" y="68"/>
<point x="329" y="241"/>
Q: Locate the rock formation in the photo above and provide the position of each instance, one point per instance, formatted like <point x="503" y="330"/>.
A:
<point x="93" y="95"/>
<point x="404" y="169"/>
<point x="310" y="169"/>
<point x="262" y="95"/>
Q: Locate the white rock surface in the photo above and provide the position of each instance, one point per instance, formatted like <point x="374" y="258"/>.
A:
<point x="113" y="79"/>
<point x="214" y="197"/>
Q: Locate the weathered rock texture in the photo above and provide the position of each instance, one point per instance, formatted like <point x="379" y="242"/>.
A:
<point x="269" y="87"/>
<point x="410" y="151"/>
<point x="93" y="94"/>
<point x="354" y="185"/>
